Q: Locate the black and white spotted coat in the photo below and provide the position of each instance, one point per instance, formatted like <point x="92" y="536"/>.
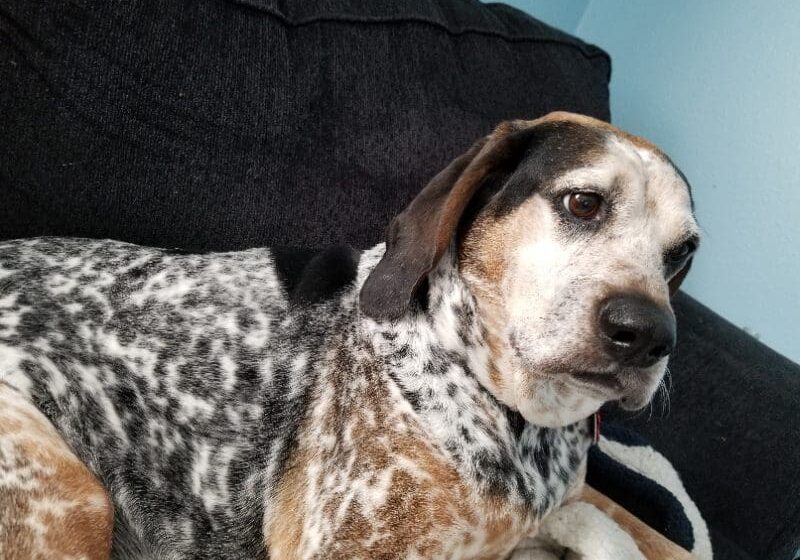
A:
<point x="184" y="381"/>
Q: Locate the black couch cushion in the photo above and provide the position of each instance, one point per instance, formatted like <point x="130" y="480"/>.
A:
<point x="221" y="125"/>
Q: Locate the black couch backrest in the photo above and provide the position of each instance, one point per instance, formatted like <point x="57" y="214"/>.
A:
<point x="220" y="125"/>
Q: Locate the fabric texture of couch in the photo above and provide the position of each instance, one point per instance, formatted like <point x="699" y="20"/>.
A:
<point x="216" y="125"/>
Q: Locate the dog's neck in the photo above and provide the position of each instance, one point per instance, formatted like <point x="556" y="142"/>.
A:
<point x="438" y="357"/>
<point x="444" y="322"/>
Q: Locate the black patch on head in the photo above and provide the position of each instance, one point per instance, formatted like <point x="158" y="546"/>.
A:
<point x="490" y="186"/>
<point x="544" y="152"/>
<point x="553" y="149"/>
<point x="312" y="276"/>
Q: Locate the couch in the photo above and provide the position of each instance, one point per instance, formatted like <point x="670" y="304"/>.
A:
<point x="224" y="124"/>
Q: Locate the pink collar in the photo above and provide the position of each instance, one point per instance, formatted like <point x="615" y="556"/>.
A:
<point x="597" y="423"/>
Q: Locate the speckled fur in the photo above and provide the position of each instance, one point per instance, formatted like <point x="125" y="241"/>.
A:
<point x="181" y="381"/>
<point x="230" y="414"/>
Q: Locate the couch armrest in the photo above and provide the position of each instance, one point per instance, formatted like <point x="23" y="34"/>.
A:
<point x="732" y="432"/>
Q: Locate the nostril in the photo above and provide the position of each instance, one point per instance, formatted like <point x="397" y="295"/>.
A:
<point x="623" y="336"/>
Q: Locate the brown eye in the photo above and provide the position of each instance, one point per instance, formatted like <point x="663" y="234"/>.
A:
<point x="583" y="205"/>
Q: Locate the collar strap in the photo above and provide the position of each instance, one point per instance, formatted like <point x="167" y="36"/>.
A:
<point x="596" y="422"/>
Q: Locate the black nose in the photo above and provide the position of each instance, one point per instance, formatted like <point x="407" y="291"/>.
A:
<point x="635" y="330"/>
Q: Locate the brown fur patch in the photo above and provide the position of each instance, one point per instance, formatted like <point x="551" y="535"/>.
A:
<point x="55" y="506"/>
<point x="423" y="507"/>
<point x="483" y="259"/>
<point x="420" y="235"/>
<point x="284" y="533"/>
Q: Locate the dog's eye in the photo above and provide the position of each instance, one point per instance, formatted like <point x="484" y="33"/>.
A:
<point x="679" y="253"/>
<point x="583" y="205"/>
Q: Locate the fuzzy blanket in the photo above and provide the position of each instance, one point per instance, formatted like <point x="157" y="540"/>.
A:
<point x="628" y="470"/>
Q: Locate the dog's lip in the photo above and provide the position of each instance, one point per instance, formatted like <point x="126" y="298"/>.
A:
<point x="606" y="382"/>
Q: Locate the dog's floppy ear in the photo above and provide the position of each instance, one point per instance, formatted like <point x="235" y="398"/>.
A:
<point x="419" y="236"/>
<point x="677" y="280"/>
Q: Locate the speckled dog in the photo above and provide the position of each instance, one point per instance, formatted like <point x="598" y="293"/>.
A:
<point x="429" y="399"/>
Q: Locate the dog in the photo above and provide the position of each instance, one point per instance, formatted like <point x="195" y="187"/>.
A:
<point x="430" y="397"/>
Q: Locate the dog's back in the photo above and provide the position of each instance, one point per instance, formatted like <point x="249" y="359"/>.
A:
<point x="183" y="383"/>
<point x="166" y="375"/>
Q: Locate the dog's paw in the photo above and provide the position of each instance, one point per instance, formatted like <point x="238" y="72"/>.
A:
<point x="588" y="534"/>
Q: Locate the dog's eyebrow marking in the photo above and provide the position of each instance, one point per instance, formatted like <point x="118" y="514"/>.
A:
<point x="554" y="149"/>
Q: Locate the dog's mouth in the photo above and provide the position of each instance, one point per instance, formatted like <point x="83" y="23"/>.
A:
<point x="607" y="380"/>
<point x="629" y="386"/>
<point x="604" y="385"/>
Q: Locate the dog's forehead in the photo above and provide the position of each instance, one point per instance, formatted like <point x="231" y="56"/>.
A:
<point x="592" y="124"/>
<point x="568" y="152"/>
<point x="649" y="176"/>
<point x="579" y="149"/>
<point x="585" y="141"/>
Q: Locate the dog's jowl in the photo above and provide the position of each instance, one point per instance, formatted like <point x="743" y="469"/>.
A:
<point x="426" y="398"/>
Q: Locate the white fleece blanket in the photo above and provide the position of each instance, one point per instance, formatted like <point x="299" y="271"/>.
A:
<point x="622" y="460"/>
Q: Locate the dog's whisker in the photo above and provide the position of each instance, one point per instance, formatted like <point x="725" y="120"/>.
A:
<point x="668" y="378"/>
<point x="663" y="392"/>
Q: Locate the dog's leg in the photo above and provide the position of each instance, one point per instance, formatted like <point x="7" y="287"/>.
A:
<point x="51" y="506"/>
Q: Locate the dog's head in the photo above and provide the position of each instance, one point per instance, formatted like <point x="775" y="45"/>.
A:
<point x="572" y="236"/>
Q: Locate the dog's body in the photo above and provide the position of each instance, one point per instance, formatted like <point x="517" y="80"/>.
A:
<point x="332" y="405"/>
<point x="182" y="383"/>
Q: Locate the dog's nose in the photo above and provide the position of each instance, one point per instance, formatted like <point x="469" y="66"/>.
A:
<point x="635" y="330"/>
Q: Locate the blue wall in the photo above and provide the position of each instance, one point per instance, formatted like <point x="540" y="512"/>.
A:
<point x="717" y="85"/>
<point x="564" y="14"/>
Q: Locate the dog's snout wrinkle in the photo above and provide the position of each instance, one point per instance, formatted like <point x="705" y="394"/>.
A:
<point x="635" y="330"/>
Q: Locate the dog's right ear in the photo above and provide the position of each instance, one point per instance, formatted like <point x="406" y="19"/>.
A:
<point x="419" y="236"/>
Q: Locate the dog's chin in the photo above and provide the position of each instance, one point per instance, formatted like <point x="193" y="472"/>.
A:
<point x="553" y="404"/>
<point x="562" y="399"/>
